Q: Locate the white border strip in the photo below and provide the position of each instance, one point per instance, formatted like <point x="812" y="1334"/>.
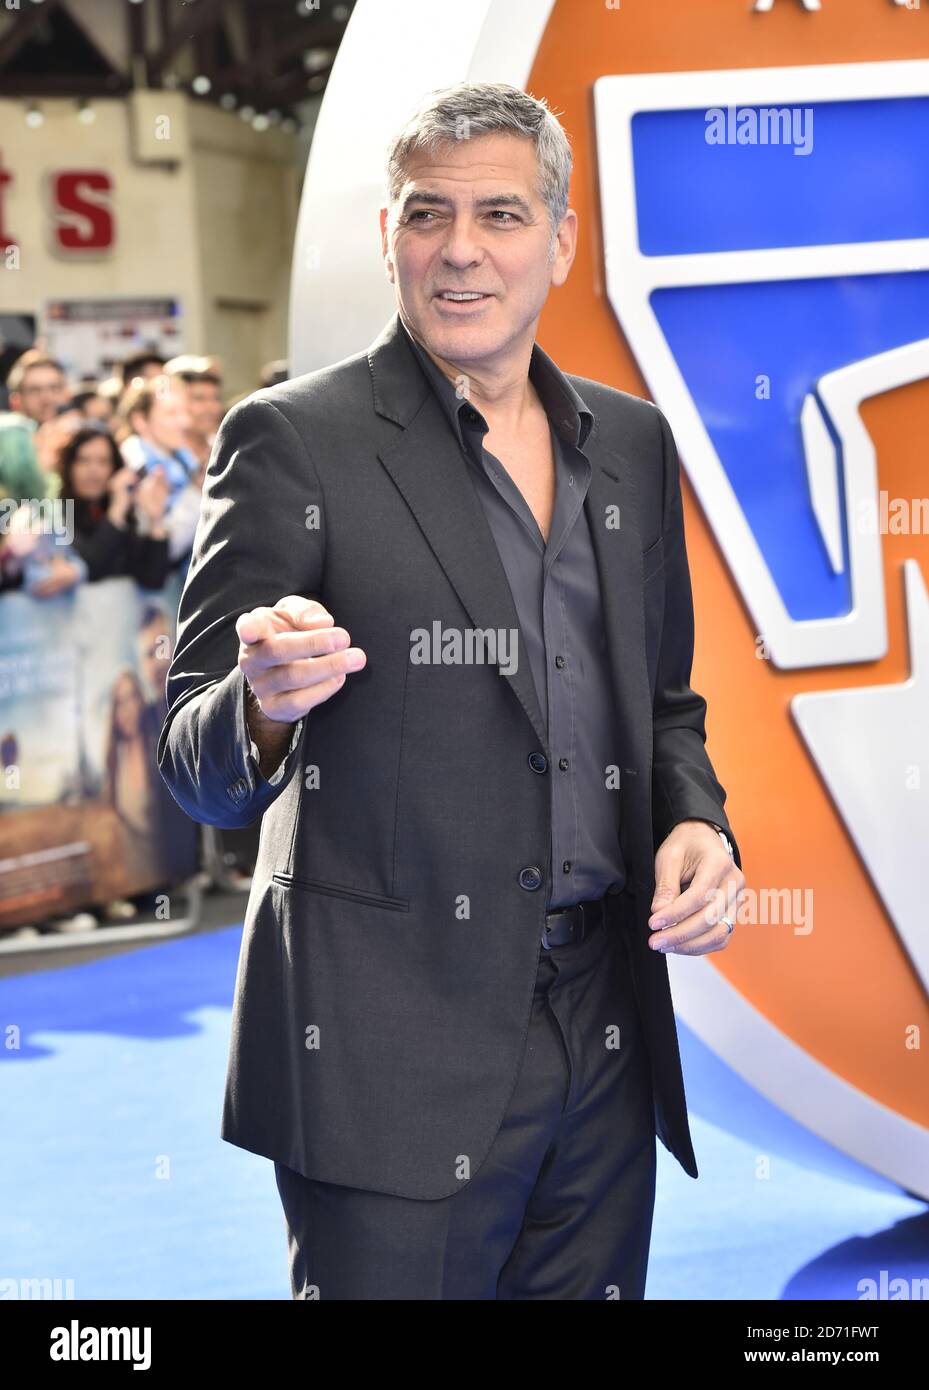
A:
<point x="861" y="634"/>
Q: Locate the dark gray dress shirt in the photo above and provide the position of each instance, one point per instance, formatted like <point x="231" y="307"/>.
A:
<point x="556" y="591"/>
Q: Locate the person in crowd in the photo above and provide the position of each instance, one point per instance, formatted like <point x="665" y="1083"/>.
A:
<point x="152" y="429"/>
<point x="202" y="385"/>
<point x="31" y="557"/>
<point x="91" y="405"/>
<point x="273" y="373"/>
<point x="51" y="435"/>
<point x="48" y="440"/>
<point x="20" y="473"/>
<point x="155" y="413"/>
<point x="111" y="391"/>
<point x="147" y="363"/>
<point x="37" y="385"/>
<point x="20" y="478"/>
<point x="69" y="418"/>
<point x="109" y="499"/>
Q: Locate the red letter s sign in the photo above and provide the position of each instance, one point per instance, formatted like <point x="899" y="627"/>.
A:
<point x="82" y="224"/>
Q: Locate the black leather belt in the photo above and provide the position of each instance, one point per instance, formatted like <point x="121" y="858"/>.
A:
<point x="571" y="924"/>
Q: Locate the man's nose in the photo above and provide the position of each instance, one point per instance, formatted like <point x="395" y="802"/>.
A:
<point x="462" y="247"/>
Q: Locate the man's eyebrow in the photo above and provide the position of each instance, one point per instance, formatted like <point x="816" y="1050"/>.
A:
<point x="440" y="200"/>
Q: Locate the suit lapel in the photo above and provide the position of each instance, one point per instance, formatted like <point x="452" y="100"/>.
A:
<point x="432" y="475"/>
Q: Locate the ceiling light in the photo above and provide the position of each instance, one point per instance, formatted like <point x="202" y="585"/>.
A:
<point x="315" y="59"/>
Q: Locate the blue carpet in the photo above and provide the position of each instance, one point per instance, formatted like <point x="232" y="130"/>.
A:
<point x="114" y="1176"/>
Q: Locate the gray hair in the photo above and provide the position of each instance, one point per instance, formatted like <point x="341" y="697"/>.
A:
<point x="470" y="109"/>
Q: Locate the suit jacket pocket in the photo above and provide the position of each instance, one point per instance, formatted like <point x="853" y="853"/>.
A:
<point x="339" y="890"/>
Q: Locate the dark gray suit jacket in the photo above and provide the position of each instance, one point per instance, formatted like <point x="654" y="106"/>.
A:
<point x="390" y="947"/>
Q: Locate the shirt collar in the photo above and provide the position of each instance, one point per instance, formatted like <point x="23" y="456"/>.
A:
<point x="569" y="416"/>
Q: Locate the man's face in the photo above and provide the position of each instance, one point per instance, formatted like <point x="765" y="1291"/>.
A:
<point x="205" y="407"/>
<point x="43" y="390"/>
<point x="469" y="218"/>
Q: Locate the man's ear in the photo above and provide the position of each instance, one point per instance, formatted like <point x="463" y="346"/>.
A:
<point x="565" y="248"/>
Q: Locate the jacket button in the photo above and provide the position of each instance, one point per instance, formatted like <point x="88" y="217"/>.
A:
<point x="538" y="762"/>
<point x="530" y="879"/>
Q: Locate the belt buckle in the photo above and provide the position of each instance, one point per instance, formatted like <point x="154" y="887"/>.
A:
<point x="546" y="944"/>
<point x="544" y="933"/>
<point x="576" y="913"/>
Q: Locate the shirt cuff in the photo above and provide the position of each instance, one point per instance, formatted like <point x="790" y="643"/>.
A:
<point x="278" y="774"/>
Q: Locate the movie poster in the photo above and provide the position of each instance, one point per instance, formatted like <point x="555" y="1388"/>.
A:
<point x="84" y="814"/>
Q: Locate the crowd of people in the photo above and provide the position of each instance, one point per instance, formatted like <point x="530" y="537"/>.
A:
<point x="128" y="454"/>
<point x="102" y="480"/>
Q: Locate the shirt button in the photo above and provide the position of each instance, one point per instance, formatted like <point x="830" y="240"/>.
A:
<point x="538" y="762"/>
<point x="566" y="866"/>
<point x="563" y="764"/>
<point x="530" y="879"/>
<point x="559" y="662"/>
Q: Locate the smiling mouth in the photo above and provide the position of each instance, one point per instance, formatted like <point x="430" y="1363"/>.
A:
<point x="462" y="296"/>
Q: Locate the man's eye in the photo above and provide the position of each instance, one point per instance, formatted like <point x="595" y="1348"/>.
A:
<point x="496" y="214"/>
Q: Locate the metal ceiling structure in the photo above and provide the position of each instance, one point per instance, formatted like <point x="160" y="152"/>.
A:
<point x="266" y="55"/>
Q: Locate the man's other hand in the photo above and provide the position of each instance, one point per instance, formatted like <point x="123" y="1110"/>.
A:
<point x="688" y="921"/>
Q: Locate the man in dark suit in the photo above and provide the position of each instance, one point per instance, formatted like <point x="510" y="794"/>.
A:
<point x="438" y="627"/>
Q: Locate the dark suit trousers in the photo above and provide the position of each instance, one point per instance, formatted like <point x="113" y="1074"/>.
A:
<point x="561" y="1208"/>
